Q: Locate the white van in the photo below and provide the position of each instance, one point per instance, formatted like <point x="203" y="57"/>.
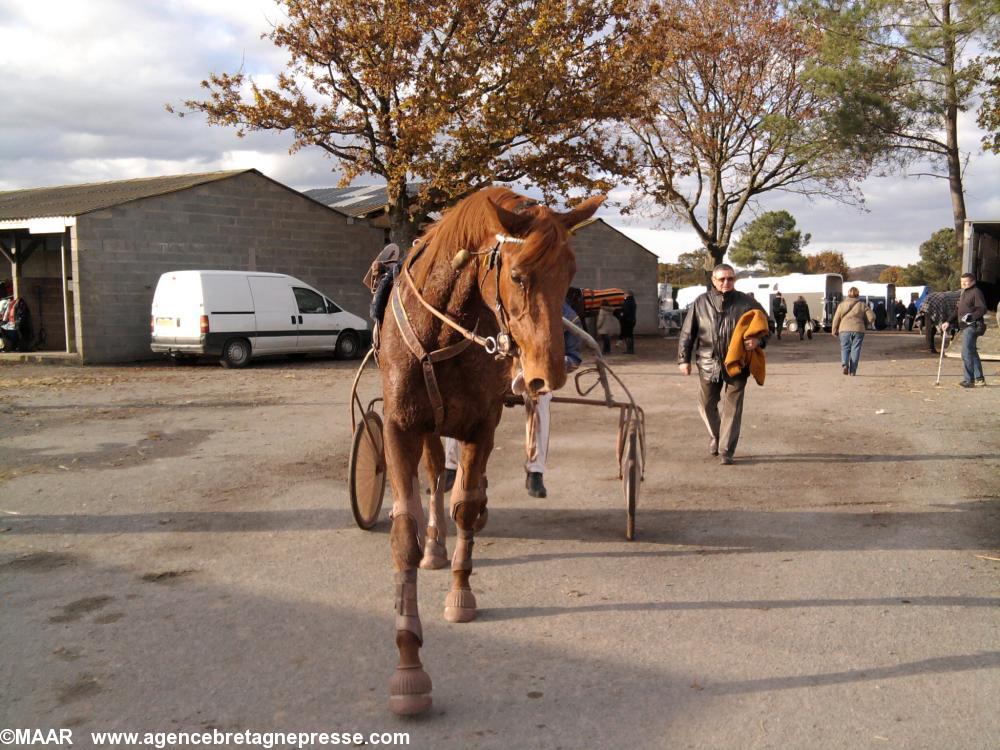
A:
<point x="238" y="315"/>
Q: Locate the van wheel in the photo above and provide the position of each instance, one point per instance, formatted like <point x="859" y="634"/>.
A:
<point x="236" y="353"/>
<point x="348" y="345"/>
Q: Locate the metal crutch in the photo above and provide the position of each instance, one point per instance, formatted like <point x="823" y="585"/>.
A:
<point x="944" y="341"/>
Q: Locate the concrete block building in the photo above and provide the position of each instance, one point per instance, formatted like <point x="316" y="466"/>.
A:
<point x="87" y="257"/>
<point x="606" y="258"/>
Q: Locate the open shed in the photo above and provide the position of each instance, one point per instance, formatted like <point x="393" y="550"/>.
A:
<point x="86" y="258"/>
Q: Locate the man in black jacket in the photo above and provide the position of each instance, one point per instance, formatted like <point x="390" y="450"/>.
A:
<point x="971" y="314"/>
<point x="779" y="311"/>
<point x="708" y="328"/>
<point x="627" y="320"/>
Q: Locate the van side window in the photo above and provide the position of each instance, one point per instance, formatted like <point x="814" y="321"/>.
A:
<point x="308" y="301"/>
<point x="331" y="307"/>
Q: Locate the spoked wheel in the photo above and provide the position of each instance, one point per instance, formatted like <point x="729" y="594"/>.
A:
<point x="631" y="476"/>
<point x="367" y="471"/>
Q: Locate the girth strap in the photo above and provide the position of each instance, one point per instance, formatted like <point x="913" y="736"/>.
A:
<point x="426" y="359"/>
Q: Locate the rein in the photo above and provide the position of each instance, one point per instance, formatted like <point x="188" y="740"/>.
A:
<point x="500" y="346"/>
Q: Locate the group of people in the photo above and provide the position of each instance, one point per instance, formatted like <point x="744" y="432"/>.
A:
<point x="620" y="323"/>
<point x="904" y="315"/>
<point x="963" y="312"/>
<point x="800" y="314"/>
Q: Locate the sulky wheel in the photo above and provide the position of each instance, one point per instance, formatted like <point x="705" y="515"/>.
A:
<point x="632" y="475"/>
<point x="366" y="472"/>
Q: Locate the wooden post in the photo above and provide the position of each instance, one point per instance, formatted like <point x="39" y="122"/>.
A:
<point x="65" y="294"/>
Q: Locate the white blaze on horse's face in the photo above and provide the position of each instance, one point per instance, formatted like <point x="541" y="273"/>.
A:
<point x="534" y="280"/>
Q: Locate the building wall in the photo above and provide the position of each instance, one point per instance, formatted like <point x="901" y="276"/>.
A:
<point x="606" y="258"/>
<point x="244" y="223"/>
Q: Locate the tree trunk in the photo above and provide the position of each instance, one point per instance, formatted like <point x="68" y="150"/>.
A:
<point x="713" y="257"/>
<point x="402" y="229"/>
<point x="951" y="127"/>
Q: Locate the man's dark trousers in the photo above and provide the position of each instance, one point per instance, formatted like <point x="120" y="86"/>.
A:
<point x="723" y="424"/>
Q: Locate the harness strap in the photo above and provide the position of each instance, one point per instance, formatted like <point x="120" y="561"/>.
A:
<point x="470" y="335"/>
<point x="426" y="359"/>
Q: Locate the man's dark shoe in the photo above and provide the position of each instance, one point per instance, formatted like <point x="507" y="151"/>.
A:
<point x="533" y="483"/>
<point x="713" y="447"/>
<point x="726" y="460"/>
<point x="966" y="384"/>
<point x="846" y="371"/>
<point x="449" y="479"/>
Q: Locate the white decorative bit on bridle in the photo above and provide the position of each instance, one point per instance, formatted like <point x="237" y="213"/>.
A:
<point x="515" y="240"/>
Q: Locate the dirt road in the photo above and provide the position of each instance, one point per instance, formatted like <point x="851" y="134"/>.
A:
<point x="177" y="553"/>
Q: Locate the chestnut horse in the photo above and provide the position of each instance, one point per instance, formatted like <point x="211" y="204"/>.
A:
<point x="493" y="271"/>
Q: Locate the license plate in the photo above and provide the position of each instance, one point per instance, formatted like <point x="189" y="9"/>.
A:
<point x="164" y="321"/>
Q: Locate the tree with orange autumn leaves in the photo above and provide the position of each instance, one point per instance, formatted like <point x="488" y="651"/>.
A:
<point x="453" y="95"/>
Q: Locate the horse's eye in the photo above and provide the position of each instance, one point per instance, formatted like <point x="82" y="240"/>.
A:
<point x="517" y="278"/>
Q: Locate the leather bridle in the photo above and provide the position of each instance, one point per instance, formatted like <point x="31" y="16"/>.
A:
<point x="500" y="346"/>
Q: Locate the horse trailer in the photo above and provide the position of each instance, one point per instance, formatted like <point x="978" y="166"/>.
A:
<point x="821" y="291"/>
<point x="981" y="257"/>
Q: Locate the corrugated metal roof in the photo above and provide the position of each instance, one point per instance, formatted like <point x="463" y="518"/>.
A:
<point x="356" y="201"/>
<point x="74" y="200"/>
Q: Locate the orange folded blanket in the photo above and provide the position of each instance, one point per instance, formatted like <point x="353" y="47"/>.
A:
<point x="751" y="325"/>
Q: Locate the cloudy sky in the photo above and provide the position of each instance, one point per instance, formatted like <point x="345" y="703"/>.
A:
<point x="84" y="86"/>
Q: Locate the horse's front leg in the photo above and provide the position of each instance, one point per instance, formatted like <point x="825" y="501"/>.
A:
<point x="410" y="686"/>
<point x="468" y="508"/>
<point x="435" y="551"/>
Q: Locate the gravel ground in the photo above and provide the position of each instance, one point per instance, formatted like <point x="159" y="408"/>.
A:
<point x="177" y="553"/>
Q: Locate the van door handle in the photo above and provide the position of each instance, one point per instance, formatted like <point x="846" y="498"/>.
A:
<point x="293" y="318"/>
<point x="300" y="320"/>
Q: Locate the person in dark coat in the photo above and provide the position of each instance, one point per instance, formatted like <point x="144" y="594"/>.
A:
<point x="627" y="319"/>
<point x="899" y="312"/>
<point x="704" y="339"/>
<point x="971" y="315"/>
<point x="803" y="320"/>
<point x="779" y="311"/>
<point x="881" y="316"/>
<point x="911" y="315"/>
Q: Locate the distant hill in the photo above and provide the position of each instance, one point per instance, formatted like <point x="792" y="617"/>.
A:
<point x="866" y="273"/>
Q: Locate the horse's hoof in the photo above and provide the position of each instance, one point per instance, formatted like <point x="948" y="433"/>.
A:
<point x="409" y="691"/>
<point x="435" y="555"/>
<point x="460" y="606"/>
<point x="481" y="519"/>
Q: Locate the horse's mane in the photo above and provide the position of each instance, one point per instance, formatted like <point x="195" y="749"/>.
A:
<point x="472" y="223"/>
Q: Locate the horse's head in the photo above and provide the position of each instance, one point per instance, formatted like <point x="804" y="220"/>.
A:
<point x="535" y="272"/>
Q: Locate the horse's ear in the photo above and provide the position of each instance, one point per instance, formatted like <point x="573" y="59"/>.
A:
<point x="582" y="212"/>
<point x="515" y="224"/>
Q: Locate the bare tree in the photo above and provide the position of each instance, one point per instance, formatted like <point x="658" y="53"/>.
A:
<point x="730" y="119"/>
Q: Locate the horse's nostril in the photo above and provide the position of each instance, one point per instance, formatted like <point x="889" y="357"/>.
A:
<point x="537" y="385"/>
